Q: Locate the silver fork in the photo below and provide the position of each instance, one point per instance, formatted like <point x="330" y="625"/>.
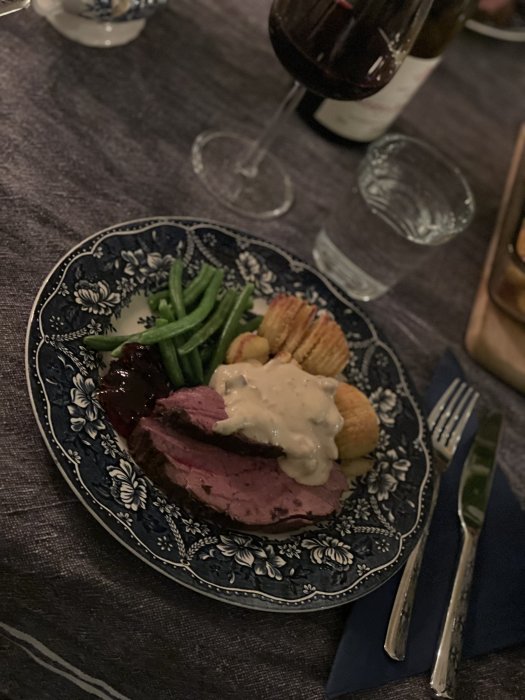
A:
<point x="447" y="422"/>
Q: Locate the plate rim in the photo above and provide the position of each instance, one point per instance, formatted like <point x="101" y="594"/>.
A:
<point x="265" y="603"/>
<point x="516" y="35"/>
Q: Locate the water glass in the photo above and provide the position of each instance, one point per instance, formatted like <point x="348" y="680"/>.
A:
<point x="407" y="198"/>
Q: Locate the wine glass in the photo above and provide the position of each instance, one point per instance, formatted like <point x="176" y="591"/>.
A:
<point x="339" y="49"/>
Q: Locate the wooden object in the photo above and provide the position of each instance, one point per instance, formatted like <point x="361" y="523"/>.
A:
<point x="494" y="339"/>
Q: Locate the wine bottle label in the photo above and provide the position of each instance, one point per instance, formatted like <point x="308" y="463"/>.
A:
<point x="367" y="119"/>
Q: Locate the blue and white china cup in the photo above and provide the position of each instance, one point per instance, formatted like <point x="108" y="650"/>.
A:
<point x="98" y="23"/>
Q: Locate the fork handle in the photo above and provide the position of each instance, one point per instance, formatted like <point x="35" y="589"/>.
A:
<point x="398" y="625"/>
<point x="399" y="622"/>
<point x="443" y="679"/>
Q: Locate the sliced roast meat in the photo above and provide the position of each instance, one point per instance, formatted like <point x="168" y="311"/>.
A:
<point x="249" y="490"/>
<point x="197" y="410"/>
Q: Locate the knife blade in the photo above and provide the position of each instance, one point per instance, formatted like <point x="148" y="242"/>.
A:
<point x="478" y="473"/>
<point x="473" y="498"/>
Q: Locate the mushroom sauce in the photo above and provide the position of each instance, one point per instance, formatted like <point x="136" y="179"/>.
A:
<point x="281" y="404"/>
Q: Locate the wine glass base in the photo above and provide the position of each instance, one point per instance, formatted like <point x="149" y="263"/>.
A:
<point x="265" y="194"/>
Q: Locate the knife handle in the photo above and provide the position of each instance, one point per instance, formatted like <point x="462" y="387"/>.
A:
<point x="443" y="678"/>
<point x="398" y="625"/>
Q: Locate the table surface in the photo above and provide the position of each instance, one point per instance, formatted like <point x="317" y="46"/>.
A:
<point x="94" y="137"/>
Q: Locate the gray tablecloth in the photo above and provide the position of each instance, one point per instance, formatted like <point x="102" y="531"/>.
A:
<point x="90" y="138"/>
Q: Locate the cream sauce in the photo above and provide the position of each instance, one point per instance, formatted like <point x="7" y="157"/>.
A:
<point x="281" y="404"/>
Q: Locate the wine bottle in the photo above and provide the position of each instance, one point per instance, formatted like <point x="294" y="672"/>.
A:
<point x="365" y="120"/>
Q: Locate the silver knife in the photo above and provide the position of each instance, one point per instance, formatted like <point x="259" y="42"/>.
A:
<point x="473" y="497"/>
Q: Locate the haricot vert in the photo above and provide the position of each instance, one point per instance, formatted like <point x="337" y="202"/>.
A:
<point x="194" y="324"/>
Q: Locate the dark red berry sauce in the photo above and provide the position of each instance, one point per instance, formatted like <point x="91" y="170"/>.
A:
<point x="131" y="386"/>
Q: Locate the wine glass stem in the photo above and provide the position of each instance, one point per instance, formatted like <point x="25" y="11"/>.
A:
<point x="248" y="163"/>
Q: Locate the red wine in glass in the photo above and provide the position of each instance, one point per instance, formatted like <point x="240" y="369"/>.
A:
<point x="341" y="49"/>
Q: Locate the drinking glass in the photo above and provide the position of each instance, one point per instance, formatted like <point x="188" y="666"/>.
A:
<point x="339" y="49"/>
<point x="407" y="199"/>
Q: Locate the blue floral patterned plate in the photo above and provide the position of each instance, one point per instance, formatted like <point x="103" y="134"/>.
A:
<point x="100" y="286"/>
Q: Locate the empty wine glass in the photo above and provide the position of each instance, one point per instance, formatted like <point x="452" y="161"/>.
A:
<point x="339" y="49"/>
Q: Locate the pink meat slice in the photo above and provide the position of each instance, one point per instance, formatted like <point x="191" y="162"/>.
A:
<point x="202" y="406"/>
<point x="249" y="489"/>
<point x="196" y="411"/>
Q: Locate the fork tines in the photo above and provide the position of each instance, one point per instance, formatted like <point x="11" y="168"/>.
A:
<point x="451" y="413"/>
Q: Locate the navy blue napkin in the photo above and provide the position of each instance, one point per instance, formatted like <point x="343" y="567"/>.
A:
<point x="496" y="617"/>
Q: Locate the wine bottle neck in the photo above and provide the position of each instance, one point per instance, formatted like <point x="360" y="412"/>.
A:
<point x="445" y="19"/>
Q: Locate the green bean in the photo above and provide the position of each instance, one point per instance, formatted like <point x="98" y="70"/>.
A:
<point x="251" y="325"/>
<point x="172" y="330"/>
<point x="156" y="297"/>
<point x="241" y="326"/>
<point x="212" y="325"/>
<point x="196" y="363"/>
<point x="166" y="312"/>
<point x="117" y="352"/>
<point x="192" y="292"/>
<point x="169" y="358"/>
<point x="104" y="342"/>
<point x="206" y="353"/>
<point x="175" y="287"/>
<point x="198" y="284"/>
<point x="229" y="329"/>
<point x="177" y="302"/>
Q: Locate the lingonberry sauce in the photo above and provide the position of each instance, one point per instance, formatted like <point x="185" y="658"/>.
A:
<point x="131" y="386"/>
